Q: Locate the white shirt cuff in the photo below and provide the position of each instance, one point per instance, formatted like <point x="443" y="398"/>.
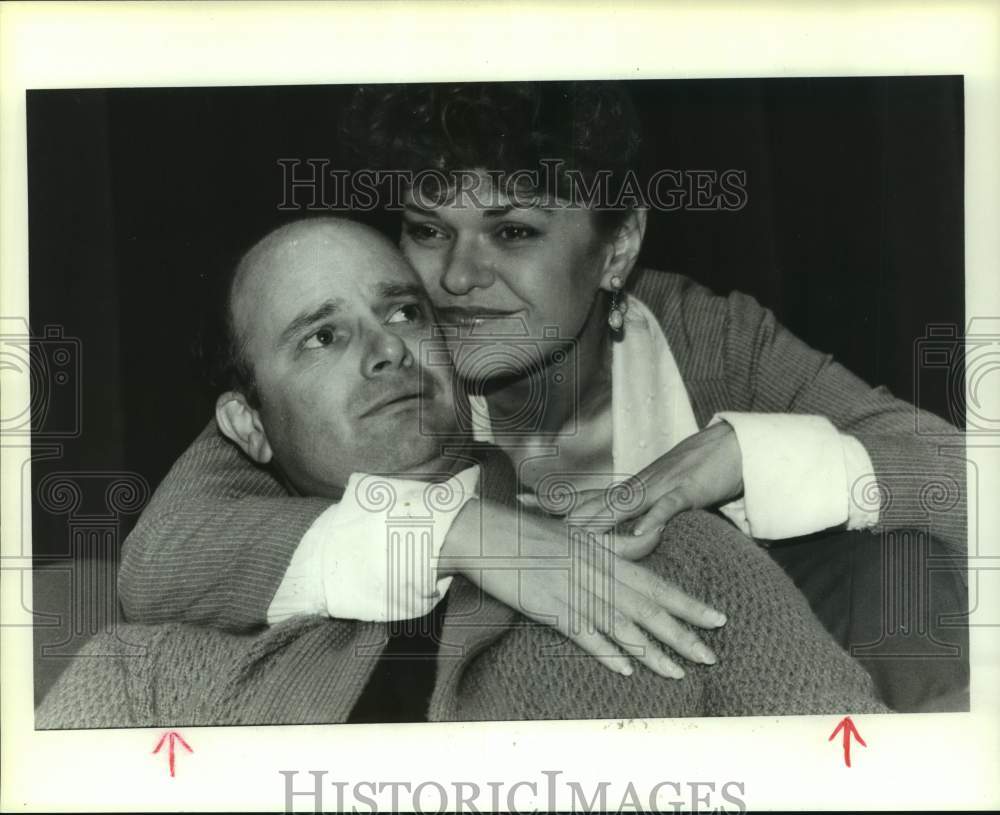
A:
<point x="374" y="555"/>
<point x="794" y="475"/>
<point x="862" y="486"/>
<point x="301" y="589"/>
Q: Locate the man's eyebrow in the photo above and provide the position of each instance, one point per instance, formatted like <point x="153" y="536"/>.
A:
<point x="386" y="290"/>
<point x="306" y="318"/>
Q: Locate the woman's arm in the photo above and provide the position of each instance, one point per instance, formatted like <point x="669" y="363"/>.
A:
<point x="920" y="475"/>
<point x="214" y="542"/>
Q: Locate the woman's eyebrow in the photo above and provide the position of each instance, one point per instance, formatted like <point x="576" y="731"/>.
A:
<point x="487" y="212"/>
<point x="499" y="212"/>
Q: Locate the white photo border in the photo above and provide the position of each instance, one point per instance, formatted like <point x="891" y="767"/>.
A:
<point x="936" y="761"/>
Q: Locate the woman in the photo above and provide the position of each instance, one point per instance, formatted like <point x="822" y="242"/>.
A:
<point x="587" y="370"/>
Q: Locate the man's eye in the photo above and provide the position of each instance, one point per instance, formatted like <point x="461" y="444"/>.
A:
<point x="516" y="232"/>
<point x="321" y="339"/>
<point x="422" y="231"/>
<point x="409" y="313"/>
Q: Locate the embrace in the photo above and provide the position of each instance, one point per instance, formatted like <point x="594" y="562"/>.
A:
<point x="503" y="472"/>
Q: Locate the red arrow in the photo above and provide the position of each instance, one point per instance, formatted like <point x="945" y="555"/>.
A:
<point x="849" y="729"/>
<point x="174" y="736"/>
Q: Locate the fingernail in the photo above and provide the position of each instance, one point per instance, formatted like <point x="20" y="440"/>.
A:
<point x="676" y="672"/>
<point x="656" y="531"/>
<point x="704" y="654"/>
<point x="716" y="618"/>
<point x="626" y="670"/>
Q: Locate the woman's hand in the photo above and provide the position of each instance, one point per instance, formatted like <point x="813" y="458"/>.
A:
<point x="598" y="600"/>
<point x="703" y="471"/>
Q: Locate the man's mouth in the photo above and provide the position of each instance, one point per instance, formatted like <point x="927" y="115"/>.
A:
<point x="399" y="400"/>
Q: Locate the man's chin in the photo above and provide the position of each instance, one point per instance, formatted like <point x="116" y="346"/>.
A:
<point x="437" y="468"/>
<point x="409" y="453"/>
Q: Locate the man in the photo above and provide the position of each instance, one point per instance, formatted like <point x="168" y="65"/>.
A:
<point x="328" y="319"/>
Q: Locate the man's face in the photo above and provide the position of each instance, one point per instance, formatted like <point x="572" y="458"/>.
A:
<point x="332" y="317"/>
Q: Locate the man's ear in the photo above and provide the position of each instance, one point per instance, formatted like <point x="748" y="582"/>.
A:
<point x="241" y="423"/>
<point x="625" y="248"/>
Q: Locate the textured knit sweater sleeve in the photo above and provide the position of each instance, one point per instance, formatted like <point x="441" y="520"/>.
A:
<point x="214" y="542"/>
<point x="734" y="355"/>
<point x="775" y="658"/>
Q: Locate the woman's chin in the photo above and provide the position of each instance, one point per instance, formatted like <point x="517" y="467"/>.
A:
<point x="496" y="362"/>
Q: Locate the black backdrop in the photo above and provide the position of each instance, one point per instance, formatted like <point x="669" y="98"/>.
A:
<point x="852" y="231"/>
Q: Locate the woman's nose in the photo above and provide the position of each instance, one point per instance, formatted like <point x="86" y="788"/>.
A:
<point x="466" y="269"/>
<point x="385" y="351"/>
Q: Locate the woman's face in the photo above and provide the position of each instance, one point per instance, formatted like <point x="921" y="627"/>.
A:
<point x="518" y="282"/>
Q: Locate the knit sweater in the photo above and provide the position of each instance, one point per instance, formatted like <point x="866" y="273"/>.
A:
<point x="774" y="658"/>
<point x="216" y="539"/>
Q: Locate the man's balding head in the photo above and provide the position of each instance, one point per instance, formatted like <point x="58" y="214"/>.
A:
<point x="326" y="319"/>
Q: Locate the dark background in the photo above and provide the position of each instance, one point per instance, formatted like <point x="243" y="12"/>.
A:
<point x="852" y="232"/>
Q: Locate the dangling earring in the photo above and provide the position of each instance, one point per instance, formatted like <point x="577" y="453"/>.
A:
<point x="616" y="317"/>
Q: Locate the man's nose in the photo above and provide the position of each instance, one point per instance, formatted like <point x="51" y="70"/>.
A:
<point x="385" y="351"/>
<point x="466" y="268"/>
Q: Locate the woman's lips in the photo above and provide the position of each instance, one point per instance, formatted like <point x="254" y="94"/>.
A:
<point x="470" y="319"/>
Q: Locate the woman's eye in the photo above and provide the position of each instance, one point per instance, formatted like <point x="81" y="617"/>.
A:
<point x="409" y="313"/>
<point x="421" y="231"/>
<point x="320" y="339"/>
<point x="516" y="232"/>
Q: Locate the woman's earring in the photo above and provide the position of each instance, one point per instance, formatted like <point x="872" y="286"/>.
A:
<point x="616" y="317"/>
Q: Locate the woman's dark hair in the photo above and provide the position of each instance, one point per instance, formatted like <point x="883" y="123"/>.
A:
<point x="591" y="127"/>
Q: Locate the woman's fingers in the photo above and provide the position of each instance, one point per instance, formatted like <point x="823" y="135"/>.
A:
<point x="600" y="648"/>
<point x="580" y="624"/>
<point x="598" y="616"/>
<point x="592" y="511"/>
<point x="663" y="626"/>
<point x="669" y="596"/>
<point x="627" y="634"/>
<point x="628" y="614"/>
<point x="620" y="626"/>
<point x="662" y="511"/>
<point x="631" y="545"/>
<point x="604" y="509"/>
